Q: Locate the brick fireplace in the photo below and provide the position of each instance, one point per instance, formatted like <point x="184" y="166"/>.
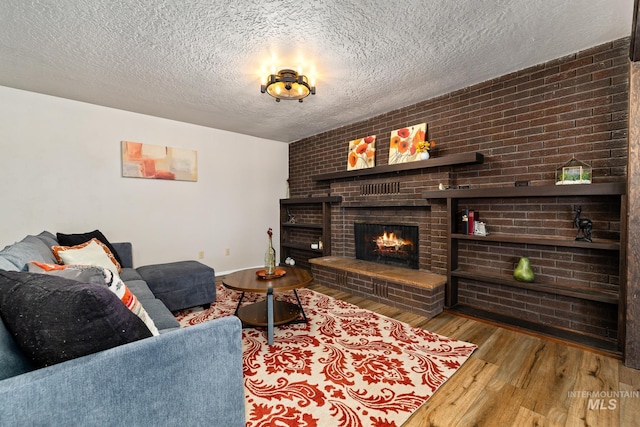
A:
<point x="393" y="205"/>
<point x="391" y="200"/>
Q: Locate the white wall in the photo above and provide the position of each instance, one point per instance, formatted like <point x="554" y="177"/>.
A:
<point x="60" y="168"/>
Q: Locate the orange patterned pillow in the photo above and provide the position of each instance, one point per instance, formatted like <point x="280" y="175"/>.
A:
<point x="43" y="266"/>
<point x="93" y="252"/>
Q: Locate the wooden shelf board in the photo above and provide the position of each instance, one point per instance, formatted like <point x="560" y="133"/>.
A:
<point x="541" y="240"/>
<point x="609" y="347"/>
<point x="301" y="246"/>
<point x="302" y="225"/>
<point x="387" y="203"/>
<point x="434" y="162"/>
<point x="311" y="200"/>
<point x="604" y="189"/>
<point x="605" y="296"/>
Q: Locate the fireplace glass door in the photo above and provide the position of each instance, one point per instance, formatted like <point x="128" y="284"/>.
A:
<point x="387" y="243"/>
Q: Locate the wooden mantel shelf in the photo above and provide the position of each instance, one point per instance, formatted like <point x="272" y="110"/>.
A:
<point x="449" y="160"/>
<point x="311" y="200"/>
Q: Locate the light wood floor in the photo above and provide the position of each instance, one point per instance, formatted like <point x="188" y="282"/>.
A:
<point x="516" y="379"/>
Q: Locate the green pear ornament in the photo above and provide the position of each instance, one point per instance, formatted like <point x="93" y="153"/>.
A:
<point x="523" y="271"/>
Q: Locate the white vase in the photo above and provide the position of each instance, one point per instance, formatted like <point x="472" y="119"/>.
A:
<point x="424" y="155"/>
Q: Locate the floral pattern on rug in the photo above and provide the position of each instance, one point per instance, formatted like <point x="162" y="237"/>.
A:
<point x="346" y="367"/>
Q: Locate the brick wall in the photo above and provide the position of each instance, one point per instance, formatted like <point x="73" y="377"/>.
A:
<point x="526" y="124"/>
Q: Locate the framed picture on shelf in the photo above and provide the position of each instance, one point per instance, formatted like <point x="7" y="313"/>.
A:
<point x="403" y="146"/>
<point x="362" y="153"/>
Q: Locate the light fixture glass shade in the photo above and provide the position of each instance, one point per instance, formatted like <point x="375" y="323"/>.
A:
<point x="288" y="85"/>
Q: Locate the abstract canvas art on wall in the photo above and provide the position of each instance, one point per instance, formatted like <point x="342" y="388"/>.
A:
<point x="404" y="143"/>
<point x="158" y="162"/>
<point x="362" y="153"/>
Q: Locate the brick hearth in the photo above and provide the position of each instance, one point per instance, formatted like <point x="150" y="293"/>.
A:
<point x="416" y="291"/>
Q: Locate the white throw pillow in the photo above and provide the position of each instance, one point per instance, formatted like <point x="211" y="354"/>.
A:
<point x="90" y="254"/>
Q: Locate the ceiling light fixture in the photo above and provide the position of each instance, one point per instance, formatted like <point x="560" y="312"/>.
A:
<point x="289" y="85"/>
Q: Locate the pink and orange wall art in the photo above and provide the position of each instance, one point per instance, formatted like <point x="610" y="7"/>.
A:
<point x="141" y="160"/>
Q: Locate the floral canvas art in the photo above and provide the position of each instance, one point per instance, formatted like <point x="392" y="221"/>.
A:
<point x="362" y="153"/>
<point x="404" y="143"/>
<point x="158" y="162"/>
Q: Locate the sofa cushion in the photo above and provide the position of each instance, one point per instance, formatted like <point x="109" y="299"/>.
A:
<point x="181" y="284"/>
<point x="141" y="289"/>
<point x="48" y="239"/>
<point x="78" y="238"/>
<point x="7" y="265"/>
<point x="125" y="252"/>
<point x="161" y="315"/>
<point x="28" y="249"/>
<point x="130" y="274"/>
<point x="54" y="319"/>
<point x="45" y="254"/>
<point x="92" y="252"/>
<point x="13" y="361"/>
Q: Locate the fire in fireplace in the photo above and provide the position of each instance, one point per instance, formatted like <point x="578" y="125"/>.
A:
<point x="387" y="243"/>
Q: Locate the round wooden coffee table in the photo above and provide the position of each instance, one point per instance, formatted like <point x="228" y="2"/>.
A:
<point x="269" y="312"/>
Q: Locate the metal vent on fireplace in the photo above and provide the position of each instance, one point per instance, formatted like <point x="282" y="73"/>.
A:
<point x="380" y="188"/>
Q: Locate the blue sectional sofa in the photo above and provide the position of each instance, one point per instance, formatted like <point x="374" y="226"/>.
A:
<point x="190" y="376"/>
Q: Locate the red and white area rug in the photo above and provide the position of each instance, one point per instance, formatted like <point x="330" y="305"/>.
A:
<point x="346" y="367"/>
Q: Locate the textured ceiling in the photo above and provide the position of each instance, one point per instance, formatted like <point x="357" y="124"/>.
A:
<point x="201" y="61"/>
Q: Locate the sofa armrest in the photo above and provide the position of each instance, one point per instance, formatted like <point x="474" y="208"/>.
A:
<point x="125" y="252"/>
<point x="191" y="376"/>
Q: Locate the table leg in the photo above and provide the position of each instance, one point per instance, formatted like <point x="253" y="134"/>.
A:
<point x="300" y="305"/>
<point x="270" y="316"/>
<point x="239" y="302"/>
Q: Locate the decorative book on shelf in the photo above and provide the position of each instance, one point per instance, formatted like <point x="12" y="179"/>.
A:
<point x="466" y="221"/>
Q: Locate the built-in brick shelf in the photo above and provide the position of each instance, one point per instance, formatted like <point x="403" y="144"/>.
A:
<point x="416" y="291"/>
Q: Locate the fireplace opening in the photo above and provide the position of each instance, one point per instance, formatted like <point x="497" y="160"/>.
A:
<point x="387" y="243"/>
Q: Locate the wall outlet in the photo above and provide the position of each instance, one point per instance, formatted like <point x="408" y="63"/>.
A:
<point x="227" y="252"/>
<point x="201" y="255"/>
